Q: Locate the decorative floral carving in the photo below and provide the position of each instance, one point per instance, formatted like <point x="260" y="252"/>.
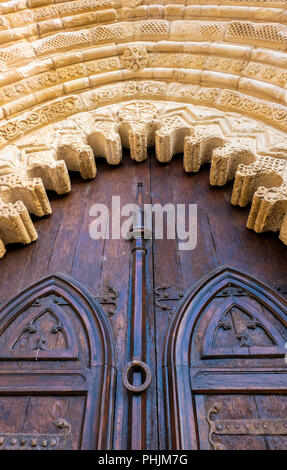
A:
<point x="135" y="58"/>
<point x="39" y="117"/>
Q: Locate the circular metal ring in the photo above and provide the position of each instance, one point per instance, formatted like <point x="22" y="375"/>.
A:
<point x="136" y="364"/>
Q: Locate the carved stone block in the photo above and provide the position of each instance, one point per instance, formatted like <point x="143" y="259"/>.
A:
<point x="169" y="138"/>
<point x="78" y="156"/>
<point x="198" y="148"/>
<point x="42" y="163"/>
<point x="105" y="141"/>
<point x="225" y="160"/>
<point x="31" y="191"/>
<point x="135" y="58"/>
<point x="15" y="224"/>
<point x="269" y="210"/>
<point x="265" y="171"/>
<point x="137" y="127"/>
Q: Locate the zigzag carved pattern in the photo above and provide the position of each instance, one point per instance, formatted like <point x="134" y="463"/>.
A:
<point x="254" y="154"/>
<point x="59" y="58"/>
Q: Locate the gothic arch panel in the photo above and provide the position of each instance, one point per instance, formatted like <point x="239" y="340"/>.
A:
<point x="57" y="369"/>
<point x="224" y="366"/>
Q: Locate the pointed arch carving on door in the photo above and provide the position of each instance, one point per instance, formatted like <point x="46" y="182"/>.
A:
<point x="56" y="347"/>
<point x="239" y="324"/>
<point x="18" y="345"/>
<point x="251" y="360"/>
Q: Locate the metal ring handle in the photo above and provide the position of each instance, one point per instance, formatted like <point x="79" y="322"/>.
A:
<point x="136" y="364"/>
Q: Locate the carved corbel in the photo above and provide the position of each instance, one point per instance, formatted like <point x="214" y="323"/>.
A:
<point x="16" y="225"/>
<point x="198" y="148"/>
<point x="105" y="141"/>
<point x="169" y="138"/>
<point x="269" y="211"/>
<point x="226" y="159"/>
<point x="72" y="148"/>
<point x="42" y="163"/>
<point x="137" y="127"/>
<point x="29" y="190"/>
<point x="265" y="171"/>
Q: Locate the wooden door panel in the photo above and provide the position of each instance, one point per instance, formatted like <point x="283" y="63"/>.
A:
<point x="41" y="422"/>
<point x="225" y="366"/>
<point x="239" y="327"/>
<point x="61" y="377"/>
<point x="270" y="406"/>
<point x="57" y="366"/>
<point x="236" y="422"/>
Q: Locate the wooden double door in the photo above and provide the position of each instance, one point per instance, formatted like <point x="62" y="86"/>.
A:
<point x="117" y="344"/>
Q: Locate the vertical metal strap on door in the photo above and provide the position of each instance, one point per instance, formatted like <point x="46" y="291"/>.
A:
<point x="136" y="375"/>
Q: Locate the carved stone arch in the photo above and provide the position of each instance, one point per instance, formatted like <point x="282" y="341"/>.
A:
<point x="233" y="62"/>
<point x="196" y="372"/>
<point x="56" y="345"/>
<point x="236" y="147"/>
